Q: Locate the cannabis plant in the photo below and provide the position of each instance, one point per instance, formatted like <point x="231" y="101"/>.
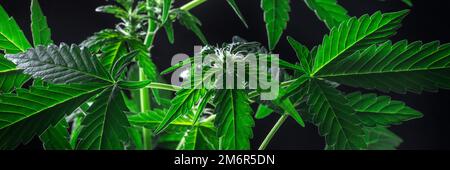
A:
<point x="107" y="93"/>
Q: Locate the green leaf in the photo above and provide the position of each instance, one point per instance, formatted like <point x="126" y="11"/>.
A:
<point x="276" y="16"/>
<point x="99" y="39"/>
<point x="57" y="137"/>
<point x="76" y="127"/>
<point x="135" y="138"/>
<point x="111" y="52"/>
<point x="263" y="111"/>
<point x="12" y="39"/>
<point x="105" y="126"/>
<point x="335" y="119"/>
<point x="202" y="105"/>
<point x="169" y="32"/>
<point x="234" y="119"/>
<point x="122" y="63"/>
<point x="182" y="103"/>
<point x="399" y="68"/>
<point x="45" y="106"/>
<point x="190" y="135"/>
<point x="408" y="2"/>
<point x="381" y="110"/>
<point x="117" y="11"/>
<point x="356" y="34"/>
<point x="296" y="86"/>
<point x="289" y="108"/>
<point x="165" y="10"/>
<point x="39" y="27"/>
<point x="235" y="7"/>
<point x="328" y="11"/>
<point x="380" y="138"/>
<point x="61" y="65"/>
<point x="302" y="54"/>
<point x="199" y="138"/>
<point x="10" y="77"/>
<point x="191" y="23"/>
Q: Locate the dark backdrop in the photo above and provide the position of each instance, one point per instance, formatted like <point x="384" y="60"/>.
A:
<point x="72" y="21"/>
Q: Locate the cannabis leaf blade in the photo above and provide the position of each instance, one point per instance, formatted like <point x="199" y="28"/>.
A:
<point x="201" y="135"/>
<point x="302" y="53"/>
<point x="192" y="23"/>
<point x="152" y="119"/>
<point x="199" y="138"/>
<point x="56" y="137"/>
<point x="356" y="34"/>
<point x="10" y="77"/>
<point x="335" y="119"/>
<point x="234" y="119"/>
<point x="183" y="102"/>
<point x="236" y="9"/>
<point x="12" y="39"/>
<point x="39" y="27"/>
<point x="408" y="2"/>
<point x="381" y="138"/>
<point x="380" y="110"/>
<point x="44" y="106"/>
<point x="165" y="10"/>
<point x="105" y="125"/>
<point x="276" y="16"/>
<point x="61" y="64"/>
<point x="111" y="52"/>
<point x="329" y="11"/>
<point x="400" y="68"/>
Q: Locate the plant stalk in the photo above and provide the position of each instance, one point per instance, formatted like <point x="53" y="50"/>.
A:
<point x="145" y="105"/>
<point x="145" y="102"/>
<point x="273" y="131"/>
<point x="192" y="4"/>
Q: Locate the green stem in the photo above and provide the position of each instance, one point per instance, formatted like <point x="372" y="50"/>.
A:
<point x="145" y="106"/>
<point x="145" y="102"/>
<point x="273" y="131"/>
<point x="162" y="86"/>
<point x="192" y="4"/>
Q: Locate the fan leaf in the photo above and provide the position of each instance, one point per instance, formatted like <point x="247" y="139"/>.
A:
<point x="61" y="64"/>
<point x="182" y="104"/>
<point x="57" y="137"/>
<point x="381" y="138"/>
<point x="12" y="39"/>
<point x="381" y="110"/>
<point x="105" y="125"/>
<point x="191" y="23"/>
<point x="335" y="119"/>
<point x="10" y="77"/>
<point x="356" y="34"/>
<point x="399" y="68"/>
<point x="328" y="11"/>
<point x="39" y="28"/>
<point x="234" y="119"/>
<point x="276" y="16"/>
<point x="45" y="106"/>
<point x="238" y="12"/>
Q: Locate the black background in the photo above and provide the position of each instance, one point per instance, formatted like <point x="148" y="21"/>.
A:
<point x="72" y="21"/>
